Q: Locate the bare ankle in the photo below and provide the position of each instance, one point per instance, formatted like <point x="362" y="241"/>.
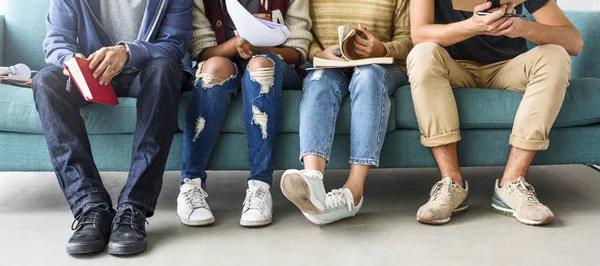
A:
<point x="357" y="193"/>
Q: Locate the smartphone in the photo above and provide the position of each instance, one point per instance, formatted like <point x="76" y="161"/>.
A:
<point x="505" y="15"/>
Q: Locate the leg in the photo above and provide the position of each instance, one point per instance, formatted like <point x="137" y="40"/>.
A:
<point x="433" y="74"/>
<point x="322" y="97"/>
<point x="543" y="74"/>
<point x="262" y="89"/>
<point x="67" y="140"/>
<point x="157" y="89"/>
<point x="370" y="90"/>
<point x="217" y="83"/>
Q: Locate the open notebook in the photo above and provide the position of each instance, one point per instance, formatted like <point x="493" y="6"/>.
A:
<point x="346" y="35"/>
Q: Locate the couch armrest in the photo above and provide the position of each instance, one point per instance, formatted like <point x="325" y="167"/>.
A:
<point x="1" y="40"/>
<point x="587" y="64"/>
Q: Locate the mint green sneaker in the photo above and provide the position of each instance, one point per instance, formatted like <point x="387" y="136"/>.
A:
<point x="305" y="189"/>
<point x="339" y="204"/>
<point x="518" y="200"/>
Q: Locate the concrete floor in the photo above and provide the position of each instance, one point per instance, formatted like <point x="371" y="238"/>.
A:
<point x="35" y="222"/>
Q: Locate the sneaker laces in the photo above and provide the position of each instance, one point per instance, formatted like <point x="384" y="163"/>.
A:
<point x="195" y="197"/>
<point x="441" y="192"/>
<point x="88" y="216"/>
<point x="255" y="199"/>
<point x="336" y="199"/>
<point x="127" y="216"/>
<point x="526" y="192"/>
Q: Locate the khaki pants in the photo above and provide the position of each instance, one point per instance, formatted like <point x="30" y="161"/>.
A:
<point x="543" y="73"/>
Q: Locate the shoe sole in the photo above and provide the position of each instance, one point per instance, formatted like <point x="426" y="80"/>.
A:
<point x="510" y="213"/>
<point x="197" y="223"/>
<point x="427" y="220"/>
<point x="124" y="249"/>
<point x="255" y="223"/>
<point x="92" y="247"/>
<point x="296" y="190"/>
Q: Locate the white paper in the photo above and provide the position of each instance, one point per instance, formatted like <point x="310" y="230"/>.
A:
<point x="258" y="32"/>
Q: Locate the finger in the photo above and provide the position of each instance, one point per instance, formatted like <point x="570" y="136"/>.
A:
<point x="496" y="15"/>
<point x="66" y="72"/>
<point x="482" y="7"/>
<point x="505" y="25"/>
<point x="361" y="54"/>
<point x="333" y="48"/>
<point x="80" y="56"/>
<point x="97" y="57"/>
<point x="101" y="68"/>
<point x="358" y="46"/>
<point x="360" y="40"/>
<point x="366" y="32"/>
<point x="511" y="8"/>
<point x="496" y="26"/>
<point x="107" y="76"/>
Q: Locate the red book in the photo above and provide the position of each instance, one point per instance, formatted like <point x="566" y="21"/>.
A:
<point x="89" y="87"/>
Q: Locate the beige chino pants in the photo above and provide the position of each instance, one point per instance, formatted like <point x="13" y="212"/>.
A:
<point x="543" y="73"/>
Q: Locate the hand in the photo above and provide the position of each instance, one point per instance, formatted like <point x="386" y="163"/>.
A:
<point x="108" y="61"/>
<point x="244" y="48"/>
<point x="328" y="53"/>
<point x="263" y="16"/>
<point x="367" y="46"/>
<point x="513" y="27"/>
<point x="492" y="23"/>
<point x="66" y="72"/>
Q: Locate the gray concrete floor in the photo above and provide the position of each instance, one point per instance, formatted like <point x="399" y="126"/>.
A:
<point x="35" y="224"/>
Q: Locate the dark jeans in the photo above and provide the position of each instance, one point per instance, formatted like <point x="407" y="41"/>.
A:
<point x="262" y="111"/>
<point x="157" y="89"/>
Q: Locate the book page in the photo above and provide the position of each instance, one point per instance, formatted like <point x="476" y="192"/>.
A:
<point x="78" y="77"/>
<point x="258" y="32"/>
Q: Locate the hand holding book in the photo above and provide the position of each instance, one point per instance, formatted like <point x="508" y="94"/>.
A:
<point x="366" y="45"/>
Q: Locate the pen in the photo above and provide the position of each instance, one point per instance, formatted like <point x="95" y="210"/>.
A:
<point x="505" y="15"/>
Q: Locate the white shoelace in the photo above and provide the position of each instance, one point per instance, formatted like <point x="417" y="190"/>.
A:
<point x="526" y="192"/>
<point x="196" y="198"/>
<point x="441" y="192"/>
<point x="336" y="199"/>
<point x="255" y="199"/>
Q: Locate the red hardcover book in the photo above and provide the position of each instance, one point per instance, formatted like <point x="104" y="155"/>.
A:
<point x="89" y="87"/>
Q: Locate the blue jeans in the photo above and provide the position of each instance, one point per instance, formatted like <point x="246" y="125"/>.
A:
<point x="262" y="111"/>
<point x="370" y="87"/>
<point x="157" y="89"/>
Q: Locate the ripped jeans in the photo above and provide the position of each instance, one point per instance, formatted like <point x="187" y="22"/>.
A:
<point x="370" y="87"/>
<point x="261" y="110"/>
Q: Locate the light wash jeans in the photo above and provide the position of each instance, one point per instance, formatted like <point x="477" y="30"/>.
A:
<point x="370" y="87"/>
<point x="262" y="111"/>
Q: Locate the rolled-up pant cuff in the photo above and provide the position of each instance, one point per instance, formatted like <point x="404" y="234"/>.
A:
<point x="441" y="140"/>
<point x="529" y="144"/>
<point x="370" y="162"/>
<point x="321" y="154"/>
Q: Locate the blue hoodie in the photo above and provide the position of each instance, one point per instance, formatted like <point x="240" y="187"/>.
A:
<point x="72" y="26"/>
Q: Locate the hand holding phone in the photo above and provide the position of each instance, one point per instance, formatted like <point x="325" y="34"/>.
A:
<point x="506" y="15"/>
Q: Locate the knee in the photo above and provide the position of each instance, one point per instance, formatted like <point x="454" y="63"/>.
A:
<point x="554" y="57"/>
<point x="261" y="69"/>
<point x="162" y="66"/>
<point x="423" y="56"/>
<point x="48" y="77"/>
<point x="216" y="70"/>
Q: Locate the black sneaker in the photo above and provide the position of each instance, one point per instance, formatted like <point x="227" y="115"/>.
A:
<point x="128" y="231"/>
<point x="92" y="229"/>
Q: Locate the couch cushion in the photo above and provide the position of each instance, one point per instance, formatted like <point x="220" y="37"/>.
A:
<point x="18" y="114"/>
<point x="290" y="121"/>
<point x="496" y="109"/>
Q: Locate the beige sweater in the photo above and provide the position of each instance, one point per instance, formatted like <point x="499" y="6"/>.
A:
<point x="388" y="20"/>
<point x="297" y="20"/>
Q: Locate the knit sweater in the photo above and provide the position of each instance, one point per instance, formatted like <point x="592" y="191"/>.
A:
<point x="297" y="20"/>
<point x="388" y="20"/>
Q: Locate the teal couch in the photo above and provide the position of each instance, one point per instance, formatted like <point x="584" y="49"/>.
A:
<point x="486" y="116"/>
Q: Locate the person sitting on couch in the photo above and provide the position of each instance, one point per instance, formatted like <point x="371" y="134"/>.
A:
<point x="455" y="49"/>
<point x="384" y="30"/>
<point x="137" y="46"/>
<point x="226" y="62"/>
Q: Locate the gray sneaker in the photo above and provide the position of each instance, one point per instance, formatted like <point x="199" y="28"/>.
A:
<point x="445" y="199"/>
<point x="339" y="204"/>
<point x="519" y="200"/>
<point x="305" y="189"/>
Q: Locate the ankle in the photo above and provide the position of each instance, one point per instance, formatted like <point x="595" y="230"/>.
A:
<point x="357" y="193"/>
<point x="458" y="180"/>
<point x="507" y="180"/>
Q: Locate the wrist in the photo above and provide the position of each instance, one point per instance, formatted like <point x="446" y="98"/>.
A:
<point x="470" y="27"/>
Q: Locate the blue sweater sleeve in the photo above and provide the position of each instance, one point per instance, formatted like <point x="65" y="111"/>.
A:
<point x="172" y="38"/>
<point x="60" y="43"/>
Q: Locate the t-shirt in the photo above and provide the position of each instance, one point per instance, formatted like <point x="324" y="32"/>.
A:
<point x="483" y="48"/>
<point x="122" y="20"/>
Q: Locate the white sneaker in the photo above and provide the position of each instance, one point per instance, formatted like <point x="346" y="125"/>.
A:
<point x="446" y="198"/>
<point x="519" y="200"/>
<point x="339" y="204"/>
<point x="191" y="204"/>
<point x="258" y="205"/>
<point x="305" y="189"/>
